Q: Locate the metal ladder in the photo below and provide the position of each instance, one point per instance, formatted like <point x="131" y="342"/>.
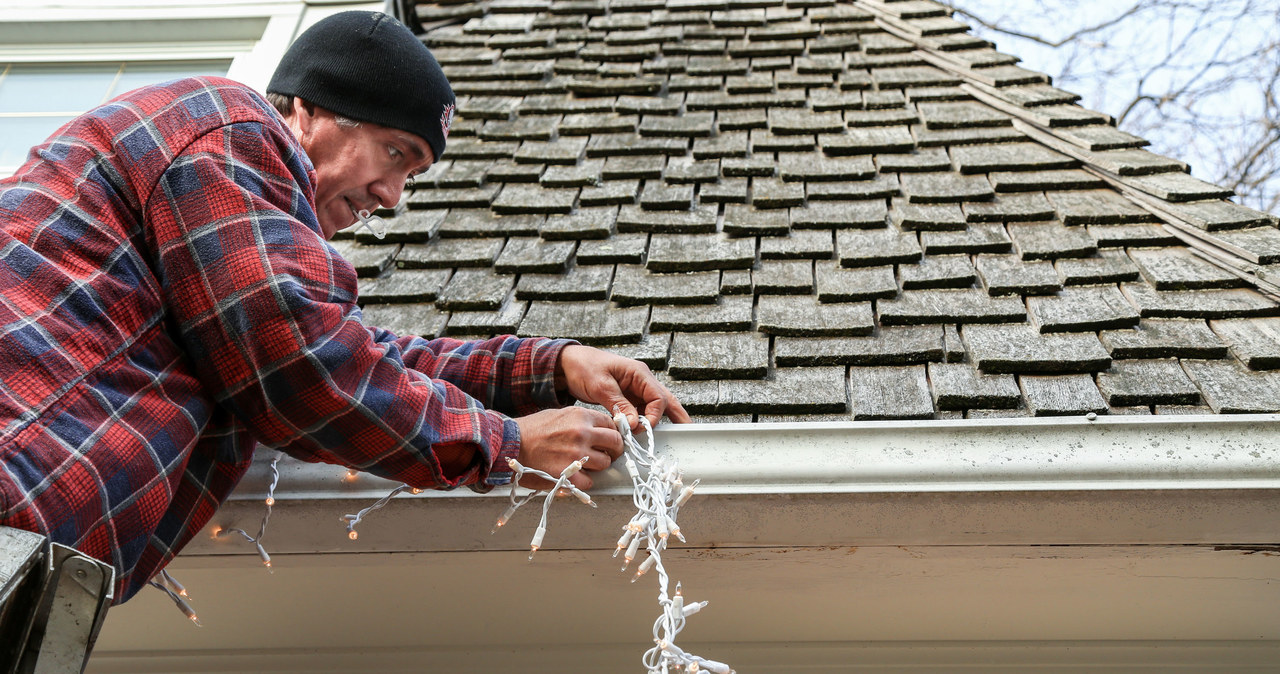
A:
<point x="53" y="601"/>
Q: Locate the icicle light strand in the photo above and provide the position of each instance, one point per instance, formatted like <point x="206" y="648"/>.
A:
<point x="657" y="492"/>
<point x="270" y="501"/>
<point x="353" y="520"/>
<point x="178" y="593"/>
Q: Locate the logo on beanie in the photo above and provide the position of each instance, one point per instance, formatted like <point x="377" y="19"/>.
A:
<point x="446" y="119"/>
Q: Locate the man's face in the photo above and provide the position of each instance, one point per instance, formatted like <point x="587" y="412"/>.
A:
<point x="357" y="168"/>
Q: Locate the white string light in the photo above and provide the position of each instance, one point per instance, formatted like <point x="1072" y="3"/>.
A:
<point x="270" y="501"/>
<point x="657" y="493"/>
<point x="560" y="487"/>
<point x="353" y="520"/>
<point x="375" y="224"/>
<point x="179" y="594"/>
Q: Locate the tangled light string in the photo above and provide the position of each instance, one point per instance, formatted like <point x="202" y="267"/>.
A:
<point x="657" y="492"/>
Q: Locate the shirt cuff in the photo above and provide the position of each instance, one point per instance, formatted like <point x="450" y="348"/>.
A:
<point x="499" y="472"/>
<point x="543" y="357"/>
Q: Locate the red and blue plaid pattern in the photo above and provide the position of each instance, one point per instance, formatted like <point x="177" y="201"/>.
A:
<point x="167" y="302"/>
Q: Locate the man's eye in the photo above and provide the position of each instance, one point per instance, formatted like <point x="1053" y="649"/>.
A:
<point x="394" y="152"/>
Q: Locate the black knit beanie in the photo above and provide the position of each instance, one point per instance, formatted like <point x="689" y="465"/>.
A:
<point x="371" y="68"/>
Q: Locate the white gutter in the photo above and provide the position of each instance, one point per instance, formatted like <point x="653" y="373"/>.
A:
<point x="1108" y="480"/>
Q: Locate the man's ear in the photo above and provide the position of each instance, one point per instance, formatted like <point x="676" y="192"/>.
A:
<point x="304" y="113"/>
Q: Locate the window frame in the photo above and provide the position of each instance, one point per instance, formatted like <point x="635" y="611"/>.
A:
<point x="252" y="36"/>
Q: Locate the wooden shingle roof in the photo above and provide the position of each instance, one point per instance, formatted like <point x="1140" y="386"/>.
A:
<point x="817" y="210"/>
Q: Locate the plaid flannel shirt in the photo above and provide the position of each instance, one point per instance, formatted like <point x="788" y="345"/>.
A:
<point x="167" y="302"/>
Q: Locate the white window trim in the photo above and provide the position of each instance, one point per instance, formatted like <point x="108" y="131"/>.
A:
<point x="252" y="35"/>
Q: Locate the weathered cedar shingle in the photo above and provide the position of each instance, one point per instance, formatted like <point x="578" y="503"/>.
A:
<point x="787" y="192"/>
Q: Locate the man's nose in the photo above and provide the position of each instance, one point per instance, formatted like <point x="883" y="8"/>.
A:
<point x="388" y="190"/>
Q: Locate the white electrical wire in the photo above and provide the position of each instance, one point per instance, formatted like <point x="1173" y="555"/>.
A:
<point x="353" y="520"/>
<point x="256" y="541"/>
<point x="178" y="593"/>
<point x="657" y="493"/>
<point x="560" y="486"/>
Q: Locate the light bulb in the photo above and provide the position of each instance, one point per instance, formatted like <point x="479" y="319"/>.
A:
<point x="574" y="467"/>
<point x="537" y="540"/>
<point x="644" y="567"/>
<point x="270" y="501"/>
<point x="686" y="494"/>
<point x="631" y="552"/>
<point x="173" y="583"/>
<point x="505" y="517"/>
<point x="353" y="535"/>
<point x="187" y="611"/>
<point x="262" y="554"/>
<point x="690" y="609"/>
<point x="627" y="535"/>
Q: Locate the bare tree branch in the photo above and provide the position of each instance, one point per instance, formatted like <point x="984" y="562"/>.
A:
<point x="999" y="28"/>
<point x="1199" y="78"/>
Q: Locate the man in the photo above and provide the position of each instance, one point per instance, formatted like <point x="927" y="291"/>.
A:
<point x="168" y="301"/>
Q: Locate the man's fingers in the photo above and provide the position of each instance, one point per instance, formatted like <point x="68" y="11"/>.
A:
<point x="673" y="409"/>
<point x="581" y="481"/>
<point x="608" y="443"/>
<point x="598" y="460"/>
<point x="657" y="401"/>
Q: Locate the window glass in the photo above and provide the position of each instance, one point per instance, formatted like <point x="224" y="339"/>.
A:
<point x="36" y="99"/>
<point x="22" y="133"/>
<point x="134" y="75"/>
<point x="57" y="88"/>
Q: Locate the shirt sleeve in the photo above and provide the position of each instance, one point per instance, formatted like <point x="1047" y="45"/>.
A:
<point x="510" y="375"/>
<point x="266" y="311"/>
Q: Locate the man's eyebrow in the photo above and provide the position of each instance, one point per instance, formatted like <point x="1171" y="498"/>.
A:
<point x="413" y="144"/>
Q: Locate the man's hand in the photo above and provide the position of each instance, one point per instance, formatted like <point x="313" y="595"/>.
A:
<point x="552" y="439"/>
<point x="617" y="384"/>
